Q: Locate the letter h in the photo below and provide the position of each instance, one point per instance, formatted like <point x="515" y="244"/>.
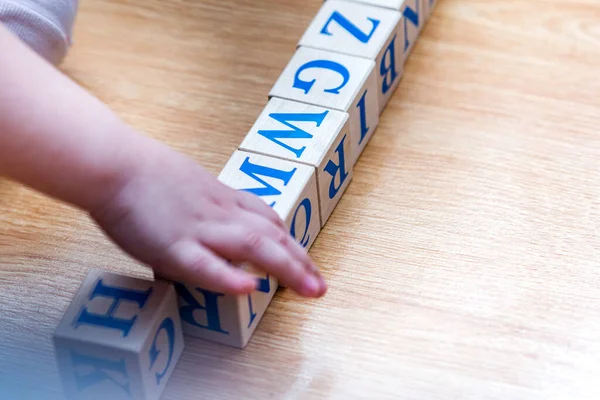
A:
<point x="107" y="320"/>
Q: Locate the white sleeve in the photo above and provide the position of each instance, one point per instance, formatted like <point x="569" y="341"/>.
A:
<point x="44" y="25"/>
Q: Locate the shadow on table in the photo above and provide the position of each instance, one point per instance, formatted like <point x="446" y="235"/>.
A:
<point x="217" y="370"/>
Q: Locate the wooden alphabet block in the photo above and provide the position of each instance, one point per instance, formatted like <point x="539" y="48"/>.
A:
<point x="414" y="17"/>
<point x="120" y="338"/>
<point x="393" y="4"/>
<point x="362" y="30"/>
<point x="291" y="190"/>
<point x="311" y="135"/>
<point x="428" y="7"/>
<point x="337" y="81"/>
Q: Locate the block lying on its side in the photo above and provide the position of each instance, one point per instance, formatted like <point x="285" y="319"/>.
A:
<point x="120" y="338"/>
<point x="291" y="190"/>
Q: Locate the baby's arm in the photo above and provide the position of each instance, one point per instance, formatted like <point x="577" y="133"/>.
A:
<point x="56" y="138"/>
<point x="158" y="205"/>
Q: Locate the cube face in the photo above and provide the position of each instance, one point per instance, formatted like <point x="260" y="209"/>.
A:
<point x="337" y="81"/>
<point x="96" y="372"/>
<point x="308" y="134"/>
<point x="413" y="20"/>
<point x="362" y="30"/>
<point x="291" y="190"/>
<point x="351" y="28"/>
<point x="428" y="6"/>
<point x="120" y="336"/>
<point x="225" y="319"/>
<point x="215" y="316"/>
<point x="392" y="4"/>
<point x="256" y="304"/>
<point x="414" y="13"/>
<point x="161" y="353"/>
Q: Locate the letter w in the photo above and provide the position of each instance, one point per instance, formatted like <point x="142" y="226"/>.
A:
<point x="294" y="132"/>
<point x="252" y="170"/>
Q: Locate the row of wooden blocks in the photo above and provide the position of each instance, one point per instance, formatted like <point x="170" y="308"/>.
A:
<point x="121" y="337"/>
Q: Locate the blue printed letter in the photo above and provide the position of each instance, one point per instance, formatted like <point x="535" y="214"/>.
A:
<point x="363" y="117"/>
<point x="169" y="327"/>
<point x="264" y="286"/>
<point x="332" y="168"/>
<point x="350" y="27"/>
<point x="388" y="72"/>
<point x="308" y="210"/>
<point x="211" y="308"/>
<point x="324" y="64"/>
<point x="295" y="132"/>
<point x="107" y="320"/>
<point x="413" y="16"/>
<point x="252" y="170"/>
<point x="98" y="374"/>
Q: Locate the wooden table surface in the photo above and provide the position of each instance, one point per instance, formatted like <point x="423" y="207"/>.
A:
<point x="463" y="261"/>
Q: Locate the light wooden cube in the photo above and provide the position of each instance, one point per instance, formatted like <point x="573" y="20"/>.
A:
<point x="428" y="7"/>
<point x="291" y="190"/>
<point x="362" y="30"/>
<point x="311" y="135"/>
<point x="120" y="338"/>
<point x="414" y="17"/>
<point x="337" y="81"/>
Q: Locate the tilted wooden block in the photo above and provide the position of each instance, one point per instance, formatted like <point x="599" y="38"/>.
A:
<point x="362" y="30"/>
<point x="337" y="81"/>
<point x="291" y="190"/>
<point x="120" y="338"/>
<point x="414" y="17"/>
<point x="308" y="134"/>
<point x="428" y="7"/>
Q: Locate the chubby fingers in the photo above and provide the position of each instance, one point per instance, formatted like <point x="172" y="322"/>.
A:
<point x="268" y="248"/>
<point x="194" y="264"/>
<point x="256" y="205"/>
<point x="283" y="235"/>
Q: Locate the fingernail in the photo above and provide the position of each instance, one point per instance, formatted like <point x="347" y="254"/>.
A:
<point x="312" y="285"/>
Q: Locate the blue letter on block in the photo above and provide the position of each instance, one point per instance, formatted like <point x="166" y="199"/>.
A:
<point x="210" y="307"/>
<point x="388" y="72"/>
<point x="99" y="367"/>
<point x="350" y="27"/>
<point x="308" y="210"/>
<point x="322" y="64"/>
<point x="413" y="16"/>
<point x="363" y="116"/>
<point x="264" y="286"/>
<point x="295" y="132"/>
<point x="107" y="320"/>
<point x="169" y="327"/>
<point x="252" y="170"/>
<point x="332" y="169"/>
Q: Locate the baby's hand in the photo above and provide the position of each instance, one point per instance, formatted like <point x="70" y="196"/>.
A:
<point x="158" y="205"/>
<point x="179" y="219"/>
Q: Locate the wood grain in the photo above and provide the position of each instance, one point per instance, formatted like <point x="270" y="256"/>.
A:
<point x="463" y="260"/>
